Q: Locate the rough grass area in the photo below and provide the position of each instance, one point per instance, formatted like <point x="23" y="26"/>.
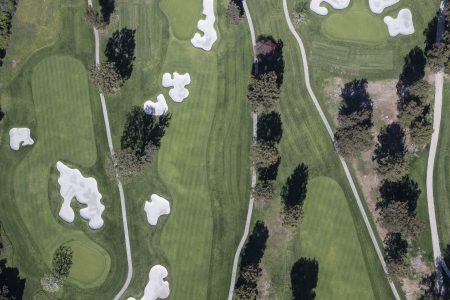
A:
<point x="342" y="271"/>
<point x="90" y="264"/>
<point x="183" y="16"/>
<point x="442" y="172"/>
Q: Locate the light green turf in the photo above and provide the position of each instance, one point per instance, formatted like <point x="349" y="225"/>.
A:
<point x="442" y="172"/>
<point x="355" y="26"/>
<point x="183" y="16"/>
<point x="342" y="271"/>
<point x="90" y="264"/>
<point x="203" y="165"/>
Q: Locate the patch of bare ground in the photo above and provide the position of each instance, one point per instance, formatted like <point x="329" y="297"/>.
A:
<point x="264" y="284"/>
<point x="384" y="97"/>
<point x="411" y="285"/>
<point x="332" y="89"/>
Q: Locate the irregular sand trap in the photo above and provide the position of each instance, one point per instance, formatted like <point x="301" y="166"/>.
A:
<point x="19" y="137"/>
<point x="377" y="6"/>
<point x="157" y="108"/>
<point x="209" y="37"/>
<point x="85" y="190"/>
<point x="403" y="24"/>
<point x="156" y="208"/>
<point x="323" y="11"/>
<point x="156" y="287"/>
<point x="179" y="92"/>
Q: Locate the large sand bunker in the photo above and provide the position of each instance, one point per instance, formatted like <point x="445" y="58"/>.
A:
<point x="323" y="11"/>
<point x="179" y="92"/>
<point x="209" y="37"/>
<point x="156" y="208"/>
<point x="19" y="137"/>
<point x="377" y="6"/>
<point x="157" y="108"/>
<point x="403" y="24"/>
<point x="74" y="185"/>
<point x="156" y="287"/>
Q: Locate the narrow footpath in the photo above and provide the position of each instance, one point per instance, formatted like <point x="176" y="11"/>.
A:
<point x="119" y="183"/>
<point x="331" y="134"/>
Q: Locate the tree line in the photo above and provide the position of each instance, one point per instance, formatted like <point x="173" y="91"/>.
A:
<point x="7" y="10"/>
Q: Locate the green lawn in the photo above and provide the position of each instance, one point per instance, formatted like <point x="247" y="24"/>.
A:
<point x="342" y="271"/>
<point x="90" y="264"/>
<point x="183" y="16"/>
<point x="355" y="26"/>
<point x="442" y="172"/>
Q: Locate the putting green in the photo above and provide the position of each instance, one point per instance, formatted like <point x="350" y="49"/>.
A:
<point x="183" y="16"/>
<point x="91" y="264"/>
<point x="355" y="26"/>
<point x="329" y="235"/>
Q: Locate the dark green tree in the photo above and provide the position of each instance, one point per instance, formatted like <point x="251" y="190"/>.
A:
<point x="120" y="51"/>
<point x="396" y="217"/>
<point x="270" y="127"/>
<point x="405" y="190"/>
<point x="62" y="261"/>
<point x="94" y="19"/>
<point x="304" y="278"/>
<point x="263" y="93"/>
<point x="106" y="78"/>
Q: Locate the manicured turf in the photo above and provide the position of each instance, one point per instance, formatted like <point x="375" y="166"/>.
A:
<point x="203" y="166"/>
<point x="52" y="96"/>
<point x="355" y="26"/>
<point x="342" y="271"/>
<point x="90" y="264"/>
<point x="442" y="172"/>
<point x="183" y="16"/>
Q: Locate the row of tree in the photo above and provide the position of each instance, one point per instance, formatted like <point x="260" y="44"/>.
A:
<point x="438" y="52"/>
<point x="7" y="10"/>
<point x="263" y="95"/>
<point x="249" y="269"/>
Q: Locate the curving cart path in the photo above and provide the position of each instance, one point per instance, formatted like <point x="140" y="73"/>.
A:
<point x="252" y="199"/>
<point x="331" y="134"/>
<point x="119" y="183"/>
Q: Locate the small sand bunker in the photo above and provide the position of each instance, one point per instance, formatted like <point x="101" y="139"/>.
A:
<point x="403" y="24"/>
<point x="209" y="37"/>
<point x="20" y="137"/>
<point x="179" y="92"/>
<point x="323" y="11"/>
<point x="156" y="287"/>
<point x="157" y="108"/>
<point x="74" y="185"/>
<point x="156" y="208"/>
<point x="377" y="6"/>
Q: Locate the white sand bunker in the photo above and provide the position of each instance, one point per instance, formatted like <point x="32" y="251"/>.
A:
<point x="156" y="208"/>
<point x="377" y="6"/>
<point x="85" y="190"/>
<point x="323" y="11"/>
<point x="403" y="24"/>
<point x="156" y="287"/>
<point x="157" y="108"/>
<point x="209" y="37"/>
<point x="179" y="92"/>
<point x="19" y="137"/>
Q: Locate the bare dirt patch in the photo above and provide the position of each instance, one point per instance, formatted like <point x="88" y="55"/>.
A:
<point x="411" y="286"/>
<point x="384" y="97"/>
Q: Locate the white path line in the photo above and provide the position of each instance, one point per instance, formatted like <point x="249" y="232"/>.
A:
<point x="252" y="199"/>
<point x="330" y="132"/>
<point x="119" y="183"/>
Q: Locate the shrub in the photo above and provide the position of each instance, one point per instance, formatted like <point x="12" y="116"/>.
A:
<point x="62" y="262"/>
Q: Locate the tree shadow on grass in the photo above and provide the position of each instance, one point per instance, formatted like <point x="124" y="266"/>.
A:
<point x="107" y="8"/>
<point x="120" y="51"/>
<point x="413" y="70"/>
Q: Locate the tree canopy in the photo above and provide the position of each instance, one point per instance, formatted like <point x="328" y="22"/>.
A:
<point x="355" y="119"/>
<point x="62" y="261"/>
<point x="106" y="78"/>
<point x="120" y="51"/>
<point x="269" y="53"/>
<point x="405" y="190"/>
<point x="304" y="278"/>
<point x="263" y="93"/>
